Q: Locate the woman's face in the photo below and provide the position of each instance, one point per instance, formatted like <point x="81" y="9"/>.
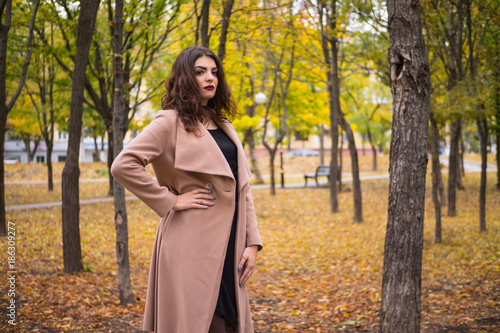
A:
<point x="206" y="74"/>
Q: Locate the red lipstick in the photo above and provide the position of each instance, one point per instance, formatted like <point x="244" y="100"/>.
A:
<point x="209" y="87"/>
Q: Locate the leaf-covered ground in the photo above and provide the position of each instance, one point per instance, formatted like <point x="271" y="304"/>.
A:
<point x="318" y="271"/>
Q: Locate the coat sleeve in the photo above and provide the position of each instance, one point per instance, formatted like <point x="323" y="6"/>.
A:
<point x="253" y="236"/>
<point x="129" y="166"/>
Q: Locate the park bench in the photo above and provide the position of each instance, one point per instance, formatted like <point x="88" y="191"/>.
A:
<point x="322" y="170"/>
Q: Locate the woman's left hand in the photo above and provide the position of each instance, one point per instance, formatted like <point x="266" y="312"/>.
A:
<point x="248" y="260"/>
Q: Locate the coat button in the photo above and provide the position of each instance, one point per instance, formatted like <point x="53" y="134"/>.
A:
<point x="209" y="186"/>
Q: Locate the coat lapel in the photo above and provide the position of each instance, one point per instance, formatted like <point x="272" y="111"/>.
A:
<point x="200" y="153"/>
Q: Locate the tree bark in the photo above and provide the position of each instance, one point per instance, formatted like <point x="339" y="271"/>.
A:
<point x="356" y="183"/>
<point x="119" y="120"/>
<point x="453" y="166"/>
<point x="205" y="11"/>
<point x="482" y="127"/>
<point x="400" y="309"/>
<point x="225" y="27"/>
<point x="250" y="139"/>
<point x="436" y="176"/>
<point x="70" y="188"/>
<point x="5" y="107"/>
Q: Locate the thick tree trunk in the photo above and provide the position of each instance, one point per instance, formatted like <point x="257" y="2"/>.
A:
<point x="453" y="167"/>
<point x="205" y="11"/>
<point x="482" y="127"/>
<point x="70" y="188"/>
<point x="436" y="177"/>
<point x="356" y="183"/>
<point x="400" y="310"/>
<point x="119" y="119"/>
<point x="225" y="27"/>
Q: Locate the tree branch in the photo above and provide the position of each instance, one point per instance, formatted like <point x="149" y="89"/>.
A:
<point x="27" y="58"/>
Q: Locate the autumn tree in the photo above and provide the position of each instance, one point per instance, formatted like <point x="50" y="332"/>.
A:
<point x="119" y="122"/>
<point x="410" y="83"/>
<point x="71" y="173"/>
<point x="6" y="104"/>
<point x="47" y="93"/>
<point x="445" y="22"/>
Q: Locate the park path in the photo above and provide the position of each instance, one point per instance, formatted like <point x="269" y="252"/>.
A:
<point x="470" y="166"/>
<point x="311" y="184"/>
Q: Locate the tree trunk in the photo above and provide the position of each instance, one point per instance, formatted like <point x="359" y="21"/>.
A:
<point x="205" y="38"/>
<point x="5" y="23"/>
<point x="119" y="119"/>
<point x="110" y="161"/>
<point x="70" y="188"/>
<point x="322" y="145"/>
<point x="400" y="309"/>
<point x="50" y="176"/>
<point x="27" y="144"/>
<point x="453" y="167"/>
<point x="374" y="150"/>
<point x="272" y="153"/>
<point x="482" y="127"/>
<point x="436" y="176"/>
<point x="340" y="160"/>
<point x="225" y="27"/>
<point x="356" y="183"/>
<point x="334" y="95"/>
<point x="460" y="164"/>
<point x="96" y="150"/>
<point x="250" y="139"/>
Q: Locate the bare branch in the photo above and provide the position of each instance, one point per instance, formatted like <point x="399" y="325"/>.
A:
<point x="27" y="58"/>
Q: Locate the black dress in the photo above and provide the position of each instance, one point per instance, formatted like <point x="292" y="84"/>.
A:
<point x="226" y="303"/>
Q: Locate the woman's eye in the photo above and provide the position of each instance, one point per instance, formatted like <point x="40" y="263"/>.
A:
<point x="199" y="72"/>
<point x="214" y="73"/>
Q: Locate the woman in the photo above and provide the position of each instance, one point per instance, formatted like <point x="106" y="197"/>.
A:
<point x="207" y="240"/>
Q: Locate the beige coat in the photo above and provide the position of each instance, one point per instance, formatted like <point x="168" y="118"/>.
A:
<point x="190" y="245"/>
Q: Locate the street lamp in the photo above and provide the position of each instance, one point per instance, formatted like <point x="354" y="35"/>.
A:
<point x="260" y="98"/>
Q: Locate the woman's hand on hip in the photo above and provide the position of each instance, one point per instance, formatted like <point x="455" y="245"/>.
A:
<point x="199" y="198"/>
<point x="247" y="262"/>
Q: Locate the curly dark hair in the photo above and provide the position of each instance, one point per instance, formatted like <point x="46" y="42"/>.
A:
<point x="183" y="92"/>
